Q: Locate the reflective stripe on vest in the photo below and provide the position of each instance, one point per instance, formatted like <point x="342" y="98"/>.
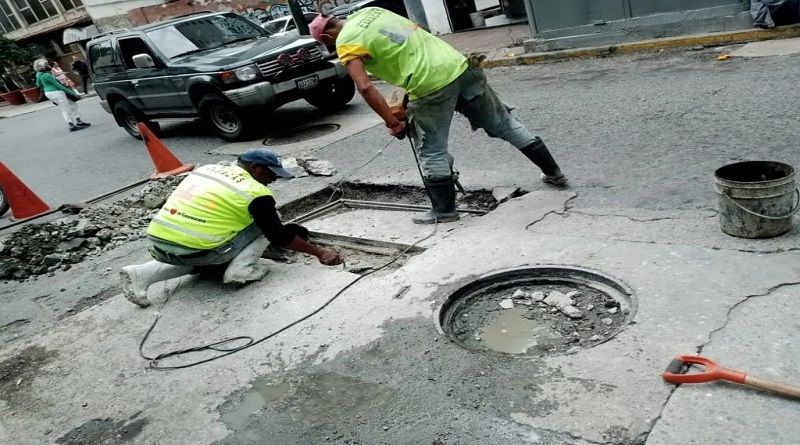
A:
<point x="178" y="228"/>
<point x="208" y="208"/>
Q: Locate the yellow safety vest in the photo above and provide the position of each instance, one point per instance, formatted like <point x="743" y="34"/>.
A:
<point x="208" y="208"/>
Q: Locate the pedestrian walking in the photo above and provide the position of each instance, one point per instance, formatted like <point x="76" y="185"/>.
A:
<point x="62" y="96"/>
<point x="80" y="68"/>
<point x="439" y="81"/>
<point x="61" y="76"/>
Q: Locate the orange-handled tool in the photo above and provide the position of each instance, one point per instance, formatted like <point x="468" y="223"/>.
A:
<point x="677" y="373"/>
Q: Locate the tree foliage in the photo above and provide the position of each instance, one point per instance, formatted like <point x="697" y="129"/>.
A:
<point x="11" y="54"/>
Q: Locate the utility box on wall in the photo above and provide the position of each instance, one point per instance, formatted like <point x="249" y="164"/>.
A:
<point x="564" y="24"/>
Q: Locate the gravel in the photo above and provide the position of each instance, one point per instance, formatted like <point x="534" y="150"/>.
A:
<point x="39" y="249"/>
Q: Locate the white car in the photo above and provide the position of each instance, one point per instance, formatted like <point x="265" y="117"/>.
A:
<point x="285" y="26"/>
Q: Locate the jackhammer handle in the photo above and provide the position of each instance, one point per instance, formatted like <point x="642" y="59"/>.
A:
<point x="778" y="388"/>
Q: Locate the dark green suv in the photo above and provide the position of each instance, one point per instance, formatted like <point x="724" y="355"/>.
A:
<point x="219" y="67"/>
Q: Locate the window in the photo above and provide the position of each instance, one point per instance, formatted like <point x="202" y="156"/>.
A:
<point x="131" y="47"/>
<point x="101" y="58"/>
<point x="34" y="11"/>
<point x="69" y="5"/>
<point x="8" y="21"/>
<point x="203" y="33"/>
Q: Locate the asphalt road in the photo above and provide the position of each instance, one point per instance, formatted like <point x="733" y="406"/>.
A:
<point x="63" y="167"/>
<point x="640" y="131"/>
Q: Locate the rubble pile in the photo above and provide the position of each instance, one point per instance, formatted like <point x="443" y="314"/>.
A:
<point x="39" y="249"/>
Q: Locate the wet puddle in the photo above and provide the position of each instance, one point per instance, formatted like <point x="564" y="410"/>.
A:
<point x="254" y="400"/>
<point x="512" y="333"/>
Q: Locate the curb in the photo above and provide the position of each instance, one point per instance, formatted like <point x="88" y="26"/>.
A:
<point x="711" y="39"/>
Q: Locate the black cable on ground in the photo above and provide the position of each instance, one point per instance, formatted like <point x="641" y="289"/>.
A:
<point x="250" y="341"/>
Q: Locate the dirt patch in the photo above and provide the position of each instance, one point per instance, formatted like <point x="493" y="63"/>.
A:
<point x="104" y="432"/>
<point x="525" y="320"/>
<point x="91" y="301"/>
<point x="410" y="386"/>
<point x="18" y="372"/>
<point x="401" y="194"/>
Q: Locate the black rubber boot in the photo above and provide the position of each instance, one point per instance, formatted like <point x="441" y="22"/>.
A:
<point x="538" y="153"/>
<point x="443" y="196"/>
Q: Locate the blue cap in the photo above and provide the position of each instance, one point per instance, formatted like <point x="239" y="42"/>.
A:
<point x="266" y="158"/>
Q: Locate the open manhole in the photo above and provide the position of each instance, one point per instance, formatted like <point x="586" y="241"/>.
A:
<point x="301" y="134"/>
<point x="525" y="310"/>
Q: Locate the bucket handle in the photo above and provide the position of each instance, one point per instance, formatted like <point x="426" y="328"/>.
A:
<point x="789" y="215"/>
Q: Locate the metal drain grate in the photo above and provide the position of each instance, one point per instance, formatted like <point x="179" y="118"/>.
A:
<point x="301" y="134"/>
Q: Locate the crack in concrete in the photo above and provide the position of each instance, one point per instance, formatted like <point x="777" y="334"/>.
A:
<point x="558" y="212"/>
<point x="737" y="305"/>
<point x="711" y="338"/>
<point x="666" y="243"/>
<point x="639" y="219"/>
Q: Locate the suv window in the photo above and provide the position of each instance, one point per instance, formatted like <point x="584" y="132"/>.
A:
<point x="130" y="47"/>
<point x="101" y="58"/>
<point x="203" y="33"/>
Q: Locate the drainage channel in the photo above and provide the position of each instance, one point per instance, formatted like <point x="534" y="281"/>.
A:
<point x="537" y="311"/>
<point x="378" y="197"/>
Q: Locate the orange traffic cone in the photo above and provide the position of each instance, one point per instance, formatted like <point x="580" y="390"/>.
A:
<point x="166" y="163"/>
<point x="24" y="203"/>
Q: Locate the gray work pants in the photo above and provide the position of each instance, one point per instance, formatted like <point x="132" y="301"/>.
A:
<point x="470" y="95"/>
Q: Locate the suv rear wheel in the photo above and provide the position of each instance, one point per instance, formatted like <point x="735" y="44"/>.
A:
<point x="128" y="117"/>
<point x="332" y="96"/>
<point x="229" y="122"/>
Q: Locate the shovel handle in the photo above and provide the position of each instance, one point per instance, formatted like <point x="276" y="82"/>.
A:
<point x="677" y="370"/>
<point x="778" y="388"/>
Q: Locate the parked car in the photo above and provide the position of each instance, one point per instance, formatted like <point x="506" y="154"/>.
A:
<point x="285" y="26"/>
<point x="219" y="67"/>
<point x="342" y="11"/>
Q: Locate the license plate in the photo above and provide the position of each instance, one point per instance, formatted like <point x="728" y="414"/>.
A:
<point x="308" y="82"/>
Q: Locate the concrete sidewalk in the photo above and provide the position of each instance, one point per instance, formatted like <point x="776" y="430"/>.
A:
<point x="640" y="138"/>
<point x="503" y="45"/>
<point x="27" y="108"/>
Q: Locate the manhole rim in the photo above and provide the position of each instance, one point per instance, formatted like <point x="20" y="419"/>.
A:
<point x="472" y="284"/>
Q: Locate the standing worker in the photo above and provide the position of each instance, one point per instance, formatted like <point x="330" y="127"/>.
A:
<point x="80" y="68"/>
<point x="220" y="214"/>
<point x="439" y="81"/>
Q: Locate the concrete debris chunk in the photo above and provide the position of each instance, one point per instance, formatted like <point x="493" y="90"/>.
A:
<point x="507" y="303"/>
<point x="70" y="245"/>
<point x="519" y="294"/>
<point x="574" y="294"/>
<point x="303" y="160"/>
<point x="503" y="194"/>
<point x="558" y="299"/>
<point x="607" y="321"/>
<point x="537" y="296"/>
<point x="596" y="338"/>
<point x="320" y="168"/>
<point x="613" y="310"/>
<point x="571" y="311"/>
<point x="590" y="307"/>
<point x="294" y="167"/>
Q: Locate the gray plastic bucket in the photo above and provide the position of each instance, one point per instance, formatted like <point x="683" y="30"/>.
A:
<point x="757" y="199"/>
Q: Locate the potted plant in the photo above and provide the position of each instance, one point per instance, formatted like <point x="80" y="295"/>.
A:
<point x="12" y="58"/>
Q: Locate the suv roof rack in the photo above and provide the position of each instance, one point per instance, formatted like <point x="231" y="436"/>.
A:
<point x="113" y="31"/>
<point x="193" y="13"/>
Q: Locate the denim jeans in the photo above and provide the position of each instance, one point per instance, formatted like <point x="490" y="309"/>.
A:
<point x="470" y="95"/>
<point x="174" y="254"/>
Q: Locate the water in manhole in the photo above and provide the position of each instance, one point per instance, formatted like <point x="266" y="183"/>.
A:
<point x="504" y="311"/>
<point x="300" y="134"/>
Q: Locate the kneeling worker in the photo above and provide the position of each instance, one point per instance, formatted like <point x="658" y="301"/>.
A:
<point x="220" y="214"/>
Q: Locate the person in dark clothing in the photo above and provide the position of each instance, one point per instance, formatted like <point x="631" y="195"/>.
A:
<point x="80" y="68"/>
<point x="220" y="215"/>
